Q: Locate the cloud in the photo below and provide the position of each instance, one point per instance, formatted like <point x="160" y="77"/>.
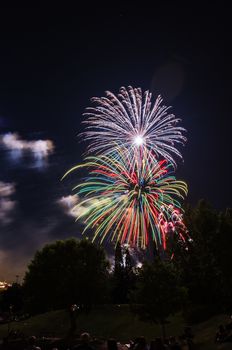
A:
<point x="6" y="189"/>
<point x="68" y="203"/>
<point x="7" y="205"/>
<point x="39" y="149"/>
<point x="72" y="205"/>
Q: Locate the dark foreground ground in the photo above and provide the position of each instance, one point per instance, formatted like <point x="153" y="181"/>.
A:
<point x="106" y="322"/>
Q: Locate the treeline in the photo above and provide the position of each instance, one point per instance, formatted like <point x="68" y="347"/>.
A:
<point x="196" y="277"/>
<point x="205" y="262"/>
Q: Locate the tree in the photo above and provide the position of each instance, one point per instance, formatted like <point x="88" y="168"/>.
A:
<point x="128" y="263"/>
<point x="130" y="276"/>
<point x="119" y="293"/>
<point x="196" y="259"/>
<point x="123" y="278"/>
<point x="118" y="259"/>
<point x="64" y="273"/>
<point x="199" y="259"/>
<point x="158" y="293"/>
<point x="224" y="257"/>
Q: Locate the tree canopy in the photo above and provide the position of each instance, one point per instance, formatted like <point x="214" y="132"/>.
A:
<point x="66" y="272"/>
<point x="158" y="292"/>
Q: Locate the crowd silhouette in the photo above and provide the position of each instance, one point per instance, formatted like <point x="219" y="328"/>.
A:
<point x="86" y="342"/>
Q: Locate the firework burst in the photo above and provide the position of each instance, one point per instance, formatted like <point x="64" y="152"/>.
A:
<point x="132" y="120"/>
<point x="128" y="198"/>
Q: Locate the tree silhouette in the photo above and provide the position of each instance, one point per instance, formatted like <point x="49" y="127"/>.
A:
<point x="158" y="293"/>
<point x="64" y="273"/>
<point x="123" y="278"/>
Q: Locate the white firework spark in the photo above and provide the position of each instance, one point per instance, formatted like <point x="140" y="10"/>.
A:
<point x="131" y="119"/>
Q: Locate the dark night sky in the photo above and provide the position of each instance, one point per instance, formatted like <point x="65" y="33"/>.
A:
<point x="53" y="60"/>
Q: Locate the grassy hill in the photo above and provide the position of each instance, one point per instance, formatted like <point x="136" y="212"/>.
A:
<point x="112" y="321"/>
